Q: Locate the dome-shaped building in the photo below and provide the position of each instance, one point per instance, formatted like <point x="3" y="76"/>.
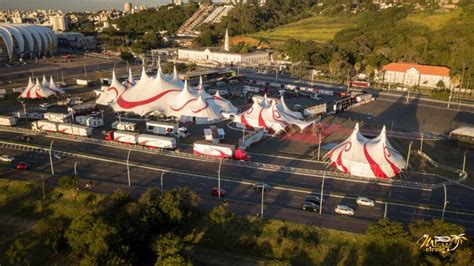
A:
<point x="25" y="41"/>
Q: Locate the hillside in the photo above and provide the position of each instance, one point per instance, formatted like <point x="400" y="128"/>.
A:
<point x="322" y="28"/>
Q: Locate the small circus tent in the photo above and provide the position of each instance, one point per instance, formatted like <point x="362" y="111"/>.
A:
<point x="266" y="113"/>
<point x="360" y="156"/>
<point x="110" y="94"/>
<point x="36" y="91"/>
<point x="54" y="87"/>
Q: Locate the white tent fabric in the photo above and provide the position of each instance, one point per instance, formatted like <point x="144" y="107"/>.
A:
<point x="224" y="104"/>
<point x="464" y="131"/>
<point x="44" y="82"/>
<point x="264" y="113"/>
<point x="36" y="91"/>
<point x="129" y="82"/>
<point x="54" y="87"/>
<point x="164" y="94"/>
<point x="282" y="107"/>
<point x="109" y="95"/>
<point x="373" y="158"/>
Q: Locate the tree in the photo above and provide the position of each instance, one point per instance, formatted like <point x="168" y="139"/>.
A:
<point x="127" y="56"/>
<point x="168" y="248"/>
<point x="51" y="231"/>
<point x="357" y="67"/>
<point x="440" y="85"/>
<point x="18" y="251"/>
<point x="386" y="230"/>
<point x="70" y="183"/>
<point x="221" y="215"/>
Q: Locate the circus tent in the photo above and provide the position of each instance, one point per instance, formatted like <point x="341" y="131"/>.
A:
<point x="54" y="87"/>
<point x="110" y="94"/>
<point x="169" y="95"/>
<point x="36" y="91"/>
<point x="129" y="82"/>
<point x="360" y="156"/>
<point x="266" y="113"/>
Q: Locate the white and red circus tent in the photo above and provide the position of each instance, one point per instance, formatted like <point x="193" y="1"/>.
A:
<point x="274" y="117"/>
<point x="172" y="97"/>
<point x="51" y="85"/>
<point x="360" y="156"/>
<point x="36" y="91"/>
<point x="129" y="82"/>
<point x="110" y="94"/>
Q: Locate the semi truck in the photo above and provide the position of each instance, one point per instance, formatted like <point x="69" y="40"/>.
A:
<point x="57" y="117"/>
<point x="147" y="140"/>
<point x="82" y="108"/>
<point x="7" y="120"/>
<point x="219" y="151"/>
<point x="44" y="125"/>
<point x="166" y="128"/>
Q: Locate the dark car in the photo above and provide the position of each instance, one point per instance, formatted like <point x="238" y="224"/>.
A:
<point x="215" y="192"/>
<point x="310" y="206"/>
<point x="314" y="199"/>
<point x="22" y="166"/>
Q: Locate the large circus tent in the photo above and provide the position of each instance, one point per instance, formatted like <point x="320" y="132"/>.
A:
<point x="37" y="90"/>
<point x="272" y="115"/>
<point x="360" y="156"/>
<point x="168" y="95"/>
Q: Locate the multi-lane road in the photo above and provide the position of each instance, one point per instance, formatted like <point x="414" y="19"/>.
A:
<point x="107" y="167"/>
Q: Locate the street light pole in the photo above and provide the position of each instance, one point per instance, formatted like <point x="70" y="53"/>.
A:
<point x="464" y="164"/>
<point x="261" y="207"/>
<point x="445" y="201"/>
<point x="128" y="167"/>
<point x="24" y="110"/>
<point x="319" y="145"/>
<point x="409" y="152"/>
<point x="421" y="143"/>
<point x="219" y="179"/>
<point x="322" y="193"/>
<point x="75" y="168"/>
<point x="385" y="212"/>
<point x="51" y="157"/>
<point x="161" y="181"/>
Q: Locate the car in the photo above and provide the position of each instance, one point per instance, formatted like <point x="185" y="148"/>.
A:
<point x="261" y="185"/>
<point x="57" y="156"/>
<point x="314" y="199"/>
<point x="6" y="158"/>
<point x="342" y="209"/>
<point x="310" y="206"/>
<point x="22" y="166"/>
<point x="365" y="202"/>
<point x="215" y="192"/>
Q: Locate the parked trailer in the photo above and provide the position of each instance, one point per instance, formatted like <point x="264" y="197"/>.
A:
<point x="7" y="120"/>
<point x="252" y="89"/>
<point x="122" y="136"/>
<point x="219" y="150"/>
<point x="126" y="126"/>
<point x="315" y="110"/>
<point x="364" y="97"/>
<point x="89" y="121"/>
<point x="77" y="130"/>
<point x="44" y="125"/>
<point x="83" y="82"/>
<point x="82" y="108"/>
<point x="57" y="117"/>
<point x="251" y="137"/>
<point x="154" y="141"/>
<point x="161" y="128"/>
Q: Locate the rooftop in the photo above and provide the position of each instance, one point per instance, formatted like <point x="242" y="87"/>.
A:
<point x="423" y="69"/>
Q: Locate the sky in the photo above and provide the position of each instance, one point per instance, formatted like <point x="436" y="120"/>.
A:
<point x="76" y="5"/>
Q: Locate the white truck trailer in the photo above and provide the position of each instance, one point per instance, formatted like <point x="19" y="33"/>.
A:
<point x="122" y="136"/>
<point x="7" y="120"/>
<point x="44" y="125"/>
<point x="219" y="151"/>
<point x="57" y="117"/>
<point x="124" y="126"/>
<point x="76" y="130"/>
<point x="154" y="141"/>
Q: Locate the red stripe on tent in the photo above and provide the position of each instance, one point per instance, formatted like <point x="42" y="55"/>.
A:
<point x="244" y="122"/>
<point x="376" y="170"/>
<point x="222" y="155"/>
<point x="199" y="110"/>
<point x="28" y="93"/>
<point x="181" y="108"/>
<point x="339" y="157"/>
<point x="128" y="105"/>
<point x="277" y="115"/>
<point x="387" y="155"/>
<point x="261" y="122"/>
<point x="115" y="90"/>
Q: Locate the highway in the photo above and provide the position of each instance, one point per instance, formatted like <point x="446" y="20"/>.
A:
<point x="106" y="166"/>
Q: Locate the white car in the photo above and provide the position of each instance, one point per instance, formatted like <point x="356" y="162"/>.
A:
<point x="342" y="209"/>
<point x="6" y="158"/>
<point x="365" y="202"/>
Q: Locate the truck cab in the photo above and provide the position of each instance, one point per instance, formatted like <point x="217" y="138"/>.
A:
<point x="242" y="155"/>
<point x="109" y="136"/>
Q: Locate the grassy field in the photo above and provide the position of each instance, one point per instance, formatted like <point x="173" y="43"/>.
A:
<point x="434" y="21"/>
<point x="316" y="28"/>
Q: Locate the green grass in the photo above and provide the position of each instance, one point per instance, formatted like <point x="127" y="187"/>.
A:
<point x="317" y="28"/>
<point x="434" y="21"/>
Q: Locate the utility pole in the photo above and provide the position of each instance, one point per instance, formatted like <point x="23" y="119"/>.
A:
<point x="128" y="167"/>
<point x="421" y="143"/>
<point x="75" y="168"/>
<point x="161" y="181"/>
<point x="85" y="70"/>
<point x="385" y="212"/>
<point x="24" y="110"/>
<point x="322" y="194"/>
<point x="408" y="94"/>
<point x="219" y="179"/>
<point x="51" y="157"/>
<point x="464" y="163"/>
<point x="319" y="145"/>
<point x="445" y="201"/>
<point x="450" y="95"/>
<point x="261" y="207"/>
<point x="408" y="156"/>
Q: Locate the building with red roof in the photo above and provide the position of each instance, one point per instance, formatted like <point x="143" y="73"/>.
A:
<point x="410" y="74"/>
